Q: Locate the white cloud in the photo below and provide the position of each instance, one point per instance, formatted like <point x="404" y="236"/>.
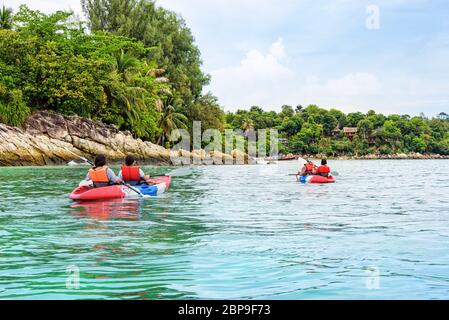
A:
<point x="265" y="80"/>
<point x="257" y="79"/>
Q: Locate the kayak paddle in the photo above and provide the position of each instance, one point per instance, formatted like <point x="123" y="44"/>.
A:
<point x="82" y="158"/>
<point x="302" y="160"/>
<point x="334" y="173"/>
<point x="134" y="189"/>
<point x="179" y="172"/>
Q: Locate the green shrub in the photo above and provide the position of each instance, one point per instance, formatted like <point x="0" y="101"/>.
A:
<point x="13" y="110"/>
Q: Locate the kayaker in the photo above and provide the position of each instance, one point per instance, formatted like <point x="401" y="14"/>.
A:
<point x="101" y="175"/>
<point x="131" y="173"/>
<point x="323" y="170"/>
<point x="308" y="168"/>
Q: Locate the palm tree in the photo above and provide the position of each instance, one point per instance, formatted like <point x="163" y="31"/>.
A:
<point x="6" y="15"/>
<point x="247" y="125"/>
<point x="170" y="120"/>
<point x="121" y="89"/>
<point x="125" y="65"/>
<point x="443" y="116"/>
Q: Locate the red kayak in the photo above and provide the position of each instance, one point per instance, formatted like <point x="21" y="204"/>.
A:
<point x="158" y="185"/>
<point x="316" y="179"/>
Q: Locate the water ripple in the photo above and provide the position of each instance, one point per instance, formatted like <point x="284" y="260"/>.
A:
<point x="231" y="232"/>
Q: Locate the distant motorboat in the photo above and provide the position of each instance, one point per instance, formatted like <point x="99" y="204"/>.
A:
<point x="288" y="158"/>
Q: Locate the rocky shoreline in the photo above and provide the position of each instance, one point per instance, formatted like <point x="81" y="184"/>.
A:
<point x="52" y="139"/>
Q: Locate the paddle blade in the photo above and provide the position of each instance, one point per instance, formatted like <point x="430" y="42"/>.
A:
<point x="180" y="172"/>
<point x="302" y="161"/>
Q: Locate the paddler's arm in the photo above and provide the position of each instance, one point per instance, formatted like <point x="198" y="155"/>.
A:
<point x="143" y="176"/>
<point x="113" y="178"/>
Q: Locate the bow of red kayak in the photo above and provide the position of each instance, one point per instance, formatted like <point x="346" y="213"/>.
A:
<point x="104" y="193"/>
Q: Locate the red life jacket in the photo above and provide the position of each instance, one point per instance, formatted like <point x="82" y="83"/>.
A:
<point x="99" y="175"/>
<point x="323" y="171"/>
<point x="131" y="173"/>
<point x="310" y="168"/>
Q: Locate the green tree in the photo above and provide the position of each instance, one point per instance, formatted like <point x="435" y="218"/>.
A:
<point x="340" y="116"/>
<point x="256" y="109"/>
<point x="305" y="141"/>
<point x="6" y="18"/>
<point x="170" y="120"/>
<point x="443" y="116"/>
<point x="170" y="41"/>
<point x="287" y="111"/>
<point x="365" y="128"/>
<point x="343" y="146"/>
<point x="298" y="108"/>
<point x="122" y="93"/>
<point x="207" y="110"/>
<point x="418" y="144"/>
<point x="328" y="121"/>
<point x="13" y="110"/>
<point x="392" y="134"/>
<point x="354" y="118"/>
<point x="359" y="145"/>
<point x="292" y="126"/>
<point x="247" y="124"/>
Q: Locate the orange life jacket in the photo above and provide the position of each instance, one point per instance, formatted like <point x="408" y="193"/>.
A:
<point x="99" y="175"/>
<point x="131" y="173"/>
<point x="310" y="168"/>
<point x="323" y="171"/>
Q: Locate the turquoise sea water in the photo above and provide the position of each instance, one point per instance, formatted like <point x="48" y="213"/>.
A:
<point x="251" y="232"/>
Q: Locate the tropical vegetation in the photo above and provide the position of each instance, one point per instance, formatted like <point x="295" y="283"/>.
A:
<point x="314" y="130"/>
<point x="142" y="78"/>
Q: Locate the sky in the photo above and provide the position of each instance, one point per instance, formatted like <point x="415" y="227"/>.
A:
<point x="391" y="56"/>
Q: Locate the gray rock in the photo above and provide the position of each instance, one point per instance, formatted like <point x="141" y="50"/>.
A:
<point x="51" y="138"/>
